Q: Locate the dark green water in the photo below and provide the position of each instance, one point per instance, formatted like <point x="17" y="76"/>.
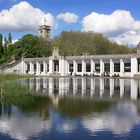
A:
<point x="72" y="109"/>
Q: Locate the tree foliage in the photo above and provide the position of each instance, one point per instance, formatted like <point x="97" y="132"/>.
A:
<point x="28" y="46"/>
<point x="77" y="43"/>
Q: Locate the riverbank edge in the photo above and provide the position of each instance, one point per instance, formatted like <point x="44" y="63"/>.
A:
<point x="19" y="76"/>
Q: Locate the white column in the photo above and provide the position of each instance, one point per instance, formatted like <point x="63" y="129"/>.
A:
<point x="111" y="68"/>
<point x="24" y="67"/>
<point x="74" y="67"/>
<point x="67" y="67"/>
<point x="83" y="67"/>
<point x="101" y="87"/>
<point x="51" y="66"/>
<point x="134" y="66"/>
<point x="44" y="67"/>
<point x="101" y="67"/>
<point x="111" y="87"/>
<point x="121" y="88"/>
<point x="38" y="67"/>
<point x="134" y="89"/>
<point x="92" y="66"/>
<point x="31" y="68"/>
<point x="121" y="67"/>
<point x="62" y="67"/>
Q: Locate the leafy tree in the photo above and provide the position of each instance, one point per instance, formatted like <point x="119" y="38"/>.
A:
<point x="1" y="45"/>
<point x="9" y="39"/>
<point x="77" y="43"/>
<point x="5" y="45"/>
<point x="29" y="46"/>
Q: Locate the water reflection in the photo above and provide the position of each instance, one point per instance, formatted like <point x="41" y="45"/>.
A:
<point x="85" y="87"/>
<point x="120" y="120"/>
<point x="73" y="108"/>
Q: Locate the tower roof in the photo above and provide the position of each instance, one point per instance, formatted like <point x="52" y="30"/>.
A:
<point x="46" y="27"/>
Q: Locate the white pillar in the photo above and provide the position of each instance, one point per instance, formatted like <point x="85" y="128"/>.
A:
<point x="37" y="68"/>
<point x="83" y="67"/>
<point x="111" y="87"/>
<point x="121" y="67"/>
<point x="134" y="66"/>
<point x="111" y="68"/>
<point x="121" y="88"/>
<point x="74" y="67"/>
<point x="31" y="68"/>
<point x="101" y="67"/>
<point x="101" y="87"/>
<point x="62" y="67"/>
<point x="44" y="67"/>
<point x="24" y="67"/>
<point x="92" y="66"/>
<point x="134" y="89"/>
<point x="51" y="66"/>
<point x="66" y="68"/>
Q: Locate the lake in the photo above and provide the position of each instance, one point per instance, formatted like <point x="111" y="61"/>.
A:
<point x="79" y="108"/>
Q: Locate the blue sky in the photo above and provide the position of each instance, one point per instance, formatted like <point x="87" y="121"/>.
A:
<point x="119" y="20"/>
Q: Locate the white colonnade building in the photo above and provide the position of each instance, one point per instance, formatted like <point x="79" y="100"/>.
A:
<point x="123" y="65"/>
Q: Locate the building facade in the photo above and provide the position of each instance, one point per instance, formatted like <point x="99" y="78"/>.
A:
<point x="123" y="65"/>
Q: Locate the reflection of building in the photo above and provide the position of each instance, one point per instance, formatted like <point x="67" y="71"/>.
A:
<point x="124" y="65"/>
<point x="87" y="87"/>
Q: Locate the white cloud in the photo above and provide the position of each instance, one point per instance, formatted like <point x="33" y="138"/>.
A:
<point x="24" y="17"/>
<point x="120" y="25"/>
<point x="68" y="17"/>
<point x="130" y="38"/>
<point x="109" y="120"/>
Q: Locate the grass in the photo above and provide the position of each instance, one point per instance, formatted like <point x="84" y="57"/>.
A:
<point x="13" y="76"/>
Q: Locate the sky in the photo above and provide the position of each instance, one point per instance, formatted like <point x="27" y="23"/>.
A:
<point x="119" y="20"/>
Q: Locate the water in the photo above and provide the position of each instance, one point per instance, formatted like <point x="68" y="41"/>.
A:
<point x="73" y="109"/>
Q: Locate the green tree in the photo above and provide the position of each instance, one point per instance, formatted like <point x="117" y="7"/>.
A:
<point x="5" y="45"/>
<point x="29" y="46"/>
<point x="77" y="43"/>
<point x="1" y="45"/>
<point x="9" y="39"/>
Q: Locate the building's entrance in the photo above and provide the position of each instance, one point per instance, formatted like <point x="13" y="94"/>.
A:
<point x="56" y="65"/>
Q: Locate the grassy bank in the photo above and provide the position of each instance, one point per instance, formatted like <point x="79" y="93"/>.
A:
<point x="14" y="76"/>
<point x="10" y="87"/>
